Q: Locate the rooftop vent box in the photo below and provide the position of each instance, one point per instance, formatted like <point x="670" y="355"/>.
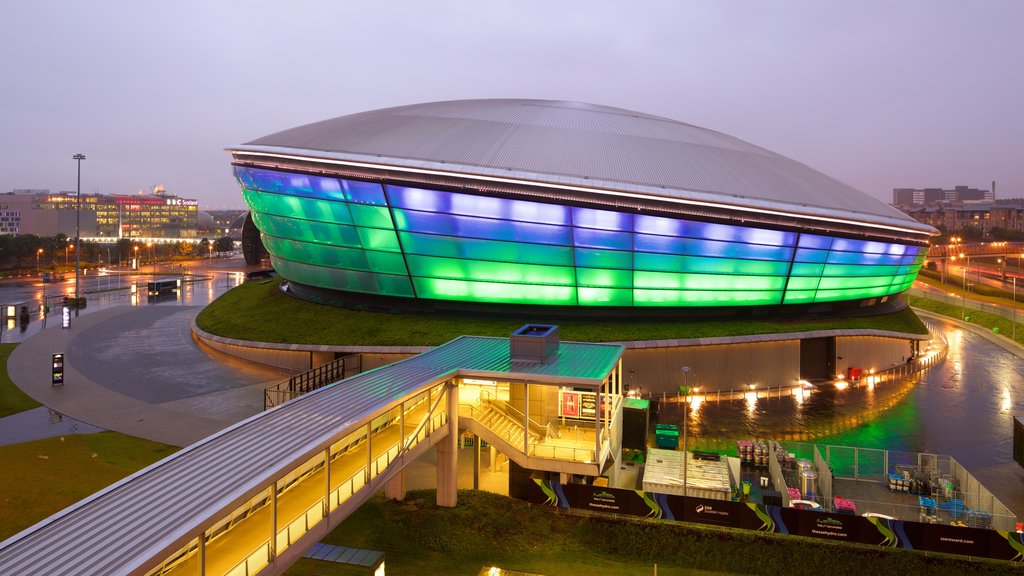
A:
<point x="534" y="343"/>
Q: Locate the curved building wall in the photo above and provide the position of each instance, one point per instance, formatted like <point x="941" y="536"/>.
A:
<point x="394" y="240"/>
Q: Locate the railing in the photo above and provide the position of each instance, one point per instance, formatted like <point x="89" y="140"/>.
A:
<point x="329" y="373"/>
<point x="514" y="436"/>
<point x="253" y="562"/>
<point x="299" y="525"/>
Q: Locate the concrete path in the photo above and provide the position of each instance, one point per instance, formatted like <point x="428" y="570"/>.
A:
<point x="137" y="370"/>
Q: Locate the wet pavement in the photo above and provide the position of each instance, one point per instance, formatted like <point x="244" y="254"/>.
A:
<point x="39" y="423"/>
<point x="963" y="407"/>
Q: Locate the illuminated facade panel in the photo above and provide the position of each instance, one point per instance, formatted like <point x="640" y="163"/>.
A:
<point x="374" y="238"/>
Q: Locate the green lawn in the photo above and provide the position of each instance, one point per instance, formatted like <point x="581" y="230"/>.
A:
<point x="259" y="311"/>
<point x="12" y="399"/>
<point x="490" y="530"/>
<point x="45" y="476"/>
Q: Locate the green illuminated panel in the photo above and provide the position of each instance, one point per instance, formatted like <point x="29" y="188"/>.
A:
<point x="335" y="256"/>
<point x="667" y="280"/>
<point x="596" y="258"/>
<point x="304" y="208"/>
<point x="494" y="292"/>
<point x="456" y="269"/>
<point x="798" y="283"/>
<point x="850" y="294"/>
<point x="704" y="298"/>
<point x="371" y="216"/>
<point x="858" y="282"/>
<point x="605" y="296"/>
<point x="492" y="250"/>
<point x="325" y="233"/>
<point x="799" y="296"/>
<point x="858" y="270"/>
<point x="807" y="269"/>
<point x="672" y="263"/>
<point x="597" y="277"/>
<point x="336" y="279"/>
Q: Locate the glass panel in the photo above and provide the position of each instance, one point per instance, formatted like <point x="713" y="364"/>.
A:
<point x="473" y="249"/>
<point x="467" y="227"/>
<point x="862" y="258"/>
<point x="605" y="296"/>
<point x="334" y="256"/>
<point x="604" y="278"/>
<point x="494" y="292"/>
<point x="479" y="206"/>
<point x="456" y="269"/>
<point x="338" y="279"/>
<point x="705" y="298"/>
<point x="689" y="246"/>
<point x="666" y="280"/>
<point x="591" y="258"/>
<point x="242" y="538"/>
<point x="304" y="208"/>
<point x="859" y="282"/>
<point x="602" y="219"/>
<point x="587" y="238"/>
<point x="672" y="263"/>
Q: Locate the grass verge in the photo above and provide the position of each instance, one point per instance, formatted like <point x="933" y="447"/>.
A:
<point x="490" y="530"/>
<point x="12" y="399"/>
<point x="45" y="476"/>
<point x="255" y="311"/>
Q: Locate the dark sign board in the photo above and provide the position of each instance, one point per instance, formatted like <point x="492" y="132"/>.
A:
<point x="883" y="532"/>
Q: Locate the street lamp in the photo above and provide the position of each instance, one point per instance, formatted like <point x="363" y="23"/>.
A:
<point x="137" y="257"/>
<point x="78" y="223"/>
<point x="39" y="253"/>
<point x="66" y="248"/>
<point x="1014" y="308"/>
<point x="963" y="295"/>
<point x="684" y="390"/>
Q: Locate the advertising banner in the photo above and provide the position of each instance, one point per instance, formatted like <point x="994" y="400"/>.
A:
<point x="883" y="532"/>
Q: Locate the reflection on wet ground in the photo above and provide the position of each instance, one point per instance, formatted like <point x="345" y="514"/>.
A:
<point x="962" y="407"/>
<point x="39" y="423"/>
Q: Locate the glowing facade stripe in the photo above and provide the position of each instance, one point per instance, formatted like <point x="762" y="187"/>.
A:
<point x="570" y="187"/>
<point x="413" y="242"/>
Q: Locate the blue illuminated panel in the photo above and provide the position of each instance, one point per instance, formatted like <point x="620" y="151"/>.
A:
<point x="414" y="242"/>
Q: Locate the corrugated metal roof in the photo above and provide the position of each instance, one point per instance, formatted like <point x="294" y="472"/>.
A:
<point x="584" y="145"/>
<point x="117" y="529"/>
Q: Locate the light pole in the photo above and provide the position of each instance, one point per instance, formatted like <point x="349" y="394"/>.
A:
<point x="685" y="391"/>
<point x="1014" y="308"/>
<point x="66" y="248"/>
<point x="78" y="223"/>
<point x="39" y="252"/>
<point x="963" y="296"/>
<point x="137" y="267"/>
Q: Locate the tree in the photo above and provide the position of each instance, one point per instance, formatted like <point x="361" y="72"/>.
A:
<point x="184" y="248"/>
<point x="224" y="244"/>
<point x="124" y="249"/>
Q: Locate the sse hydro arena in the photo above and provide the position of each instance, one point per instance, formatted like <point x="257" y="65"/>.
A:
<point x="541" y="204"/>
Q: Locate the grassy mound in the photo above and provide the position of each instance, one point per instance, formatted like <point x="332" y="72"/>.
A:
<point x="261" y="312"/>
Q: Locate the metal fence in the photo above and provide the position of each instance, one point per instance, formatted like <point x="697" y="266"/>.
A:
<point x="946" y="492"/>
<point x="329" y="373"/>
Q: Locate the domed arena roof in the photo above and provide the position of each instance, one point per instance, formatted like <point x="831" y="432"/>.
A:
<point x="591" y="148"/>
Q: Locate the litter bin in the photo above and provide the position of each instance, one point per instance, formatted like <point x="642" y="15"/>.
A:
<point x="809" y="483"/>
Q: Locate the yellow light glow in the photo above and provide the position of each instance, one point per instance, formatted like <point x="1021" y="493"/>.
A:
<point x="842" y="385"/>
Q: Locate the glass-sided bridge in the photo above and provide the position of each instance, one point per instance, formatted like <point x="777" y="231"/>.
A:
<point x="251" y="498"/>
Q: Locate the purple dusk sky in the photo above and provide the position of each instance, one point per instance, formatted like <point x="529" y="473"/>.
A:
<point x="878" y="93"/>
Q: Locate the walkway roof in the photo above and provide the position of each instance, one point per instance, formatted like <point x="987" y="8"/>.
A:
<point x="142" y="519"/>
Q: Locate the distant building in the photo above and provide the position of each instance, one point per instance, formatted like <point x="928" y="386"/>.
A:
<point x="20" y="214"/>
<point x="928" y="196"/>
<point x="157" y="215"/>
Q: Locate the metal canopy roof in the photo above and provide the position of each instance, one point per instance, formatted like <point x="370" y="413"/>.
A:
<point x="575" y="144"/>
<point x="153" y="512"/>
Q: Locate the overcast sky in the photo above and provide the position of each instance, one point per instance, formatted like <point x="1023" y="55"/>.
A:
<point x="878" y="94"/>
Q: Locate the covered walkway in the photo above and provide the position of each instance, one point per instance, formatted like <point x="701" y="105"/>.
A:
<point x="251" y="498"/>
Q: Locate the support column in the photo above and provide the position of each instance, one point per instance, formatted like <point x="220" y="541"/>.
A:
<point x="448" y="453"/>
<point x="395" y="488"/>
<point x="476" y="463"/>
